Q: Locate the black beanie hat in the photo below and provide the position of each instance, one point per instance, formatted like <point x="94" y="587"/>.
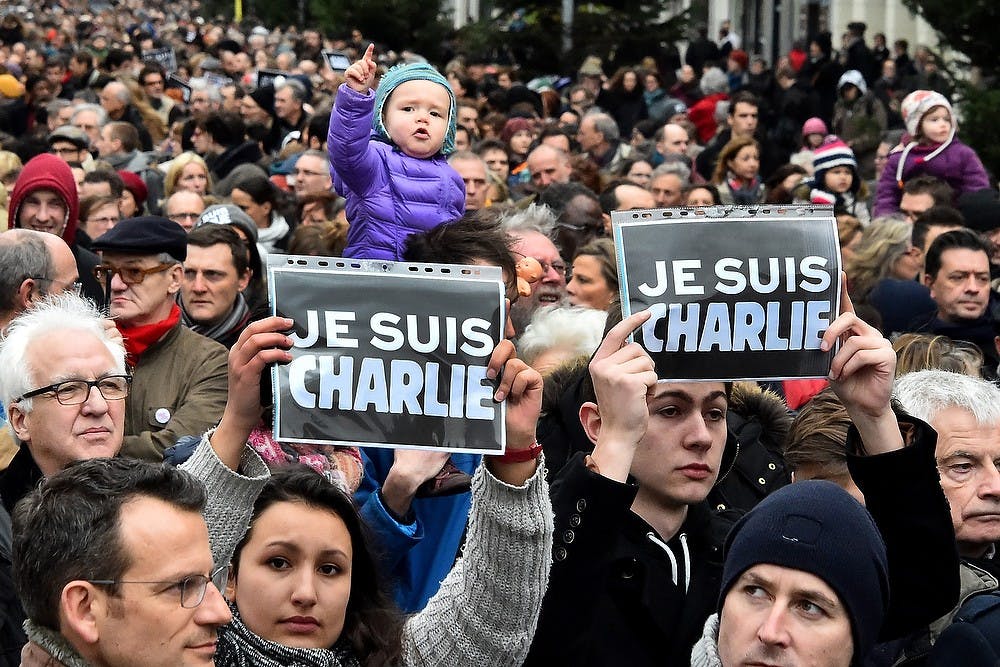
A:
<point x="817" y="527"/>
<point x="264" y="97"/>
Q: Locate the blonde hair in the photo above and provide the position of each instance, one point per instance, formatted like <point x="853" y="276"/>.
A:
<point x="9" y="162"/>
<point x="177" y="167"/>
<point x="882" y="244"/>
<point x="919" y="352"/>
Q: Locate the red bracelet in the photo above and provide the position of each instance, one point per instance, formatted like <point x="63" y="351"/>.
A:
<point x="519" y="455"/>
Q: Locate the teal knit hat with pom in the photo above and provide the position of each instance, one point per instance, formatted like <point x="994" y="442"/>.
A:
<point x="412" y="72"/>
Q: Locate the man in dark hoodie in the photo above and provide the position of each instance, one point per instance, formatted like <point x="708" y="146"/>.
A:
<point x="45" y="200"/>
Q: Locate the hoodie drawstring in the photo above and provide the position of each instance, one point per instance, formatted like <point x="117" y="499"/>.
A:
<point x="673" y="559"/>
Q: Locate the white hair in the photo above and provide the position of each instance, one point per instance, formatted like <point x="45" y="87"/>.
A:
<point x="102" y="115"/>
<point x="924" y="394"/>
<point x="675" y="167"/>
<point x="64" y="312"/>
<point x="714" y="80"/>
<point x="535" y="218"/>
<point x="574" y="328"/>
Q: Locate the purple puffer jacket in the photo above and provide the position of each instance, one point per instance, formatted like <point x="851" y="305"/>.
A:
<point x="390" y="195"/>
<point x="957" y="165"/>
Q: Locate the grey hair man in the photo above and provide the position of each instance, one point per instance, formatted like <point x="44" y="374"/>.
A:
<point x="672" y="139"/>
<point x="548" y="165"/>
<point x="668" y="181"/>
<point x="600" y="139"/>
<point x="32" y="265"/>
<point x="116" y="99"/>
<point x="204" y="98"/>
<point x="90" y="118"/>
<point x="312" y="173"/>
<point x="99" y="524"/>
<point x="533" y="230"/>
<point x="180" y="376"/>
<point x="965" y="413"/>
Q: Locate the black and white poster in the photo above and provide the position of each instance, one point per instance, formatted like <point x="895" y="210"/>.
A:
<point x="165" y="57"/>
<point x="735" y="294"/>
<point x="270" y="77"/>
<point x="388" y="354"/>
<point x="337" y="61"/>
<point x="173" y="81"/>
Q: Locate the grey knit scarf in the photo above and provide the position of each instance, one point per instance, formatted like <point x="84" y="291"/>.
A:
<point x="706" y="650"/>
<point x="239" y="647"/>
<point x="237" y="318"/>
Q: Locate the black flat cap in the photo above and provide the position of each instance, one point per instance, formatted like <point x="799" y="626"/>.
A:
<point x="145" y="235"/>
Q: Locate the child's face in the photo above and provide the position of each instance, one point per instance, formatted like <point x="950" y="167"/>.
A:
<point x="838" y="180"/>
<point x="521" y="140"/>
<point x="936" y="125"/>
<point x="416" y="117"/>
<point x="815" y="140"/>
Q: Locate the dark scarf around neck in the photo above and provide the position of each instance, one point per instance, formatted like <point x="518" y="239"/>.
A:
<point x="239" y="647"/>
<point x="236" y="319"/>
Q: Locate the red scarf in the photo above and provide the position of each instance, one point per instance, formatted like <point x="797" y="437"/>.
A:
<point x="138" y="339"/>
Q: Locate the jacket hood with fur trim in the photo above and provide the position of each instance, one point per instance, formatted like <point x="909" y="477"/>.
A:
<point x="46" y="172"/>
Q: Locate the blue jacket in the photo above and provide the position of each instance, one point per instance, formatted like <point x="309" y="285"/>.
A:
<point x="416" y="556"/>
<point x="390" y="195"/>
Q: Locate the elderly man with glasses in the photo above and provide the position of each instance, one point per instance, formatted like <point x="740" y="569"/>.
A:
<point x="180" y="376"/>
<point x="105" y="525"/>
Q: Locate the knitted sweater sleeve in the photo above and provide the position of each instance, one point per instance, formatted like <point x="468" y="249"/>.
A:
<point x="487" y="608"/>
<point x="231" y="494"/>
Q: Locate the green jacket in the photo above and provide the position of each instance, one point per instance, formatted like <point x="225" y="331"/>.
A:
<point x="179" y="388"/>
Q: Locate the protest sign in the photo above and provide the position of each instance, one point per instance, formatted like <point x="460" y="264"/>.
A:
<point x="736" y="293"/>
<point x="216" y="80"/>
<point x="338" y="61"/>
<point x="165" y="57"/>
<point x="173" y="81"/>
<point x="388" y="354"/>
<point x="270" y="77"/>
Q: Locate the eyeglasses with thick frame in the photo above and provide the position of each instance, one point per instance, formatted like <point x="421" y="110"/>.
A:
<point x="130" y="275"/>
<point x="76" y="392"/>
<point x="192" y="588"/>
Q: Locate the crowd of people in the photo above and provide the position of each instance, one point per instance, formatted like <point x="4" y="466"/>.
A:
<point x="152" y="160"/>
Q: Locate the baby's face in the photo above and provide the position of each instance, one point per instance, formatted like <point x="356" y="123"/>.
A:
<point x="416" y="117"/>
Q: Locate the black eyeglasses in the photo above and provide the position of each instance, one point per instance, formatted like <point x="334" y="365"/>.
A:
<point x="192" y="588"/>
<point x="76" y="392"/>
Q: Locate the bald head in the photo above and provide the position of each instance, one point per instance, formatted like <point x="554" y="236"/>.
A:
<point x="114" y="97"/>
<point x="32" y="264"/>
<point x="548" y="165"/>
<point x="675" y="140"/>
<point x="184" y="207"/>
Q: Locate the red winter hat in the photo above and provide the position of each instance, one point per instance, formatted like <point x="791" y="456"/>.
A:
<point x="741" y="58"/>
<point x="135" y="185"/>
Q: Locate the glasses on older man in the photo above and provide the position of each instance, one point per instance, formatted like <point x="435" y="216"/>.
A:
<point x="130" y="275"/>
<point x="192" y="588"/>
<point x="73" y="287"/>
<point x="76" y="392"/>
